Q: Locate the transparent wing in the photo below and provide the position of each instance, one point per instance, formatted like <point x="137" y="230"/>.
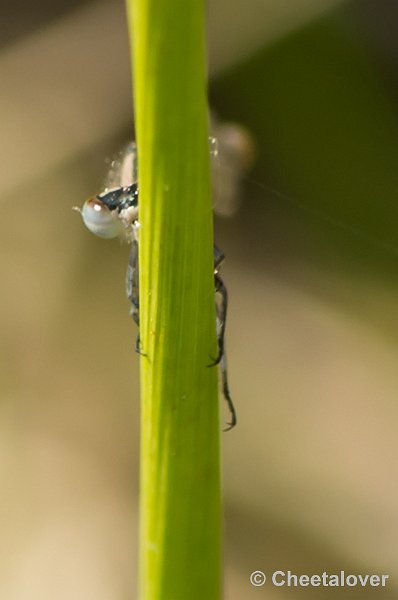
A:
<point x="231" y="150"/>
<point x="232" y="153"/>
<point x="123" y="170"/>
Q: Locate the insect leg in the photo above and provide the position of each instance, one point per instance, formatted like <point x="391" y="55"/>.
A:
<point x="227" y="396"/>
<point x="221" y="314"/>
<point x="221" y="309"/>
<point x="132" y="290"/>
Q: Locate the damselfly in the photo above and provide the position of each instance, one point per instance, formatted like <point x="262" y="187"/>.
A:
<point x="114" y="213"/>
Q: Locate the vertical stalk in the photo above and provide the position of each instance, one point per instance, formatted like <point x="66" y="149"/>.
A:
<point x="180" y="505"/>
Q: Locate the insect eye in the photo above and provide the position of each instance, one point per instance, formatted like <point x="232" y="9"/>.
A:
<point x="100" y="220"/>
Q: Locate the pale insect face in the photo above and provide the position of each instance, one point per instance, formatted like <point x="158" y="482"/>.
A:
<point x="114" y="212"/>
<point x="100" y="220"/>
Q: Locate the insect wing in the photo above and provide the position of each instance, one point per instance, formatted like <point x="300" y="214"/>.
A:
<point x="123" y="170"/>
<point x="232" y="153"/>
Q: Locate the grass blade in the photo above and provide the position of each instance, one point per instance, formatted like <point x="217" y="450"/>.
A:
<point x="180" y="521"/>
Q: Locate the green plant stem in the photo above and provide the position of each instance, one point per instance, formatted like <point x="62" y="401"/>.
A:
<point x="180" y="504"/>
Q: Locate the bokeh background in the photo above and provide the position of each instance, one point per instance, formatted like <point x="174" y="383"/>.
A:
<point x="310" y="473"/>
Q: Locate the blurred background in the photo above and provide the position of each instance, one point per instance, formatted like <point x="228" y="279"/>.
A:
<point x="310" y="473"/>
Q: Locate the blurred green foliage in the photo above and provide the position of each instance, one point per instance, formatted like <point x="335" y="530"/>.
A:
<point x="327" y="133"/>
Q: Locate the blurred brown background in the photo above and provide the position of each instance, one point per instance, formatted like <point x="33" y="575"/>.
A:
<point x="312" y="261"/>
